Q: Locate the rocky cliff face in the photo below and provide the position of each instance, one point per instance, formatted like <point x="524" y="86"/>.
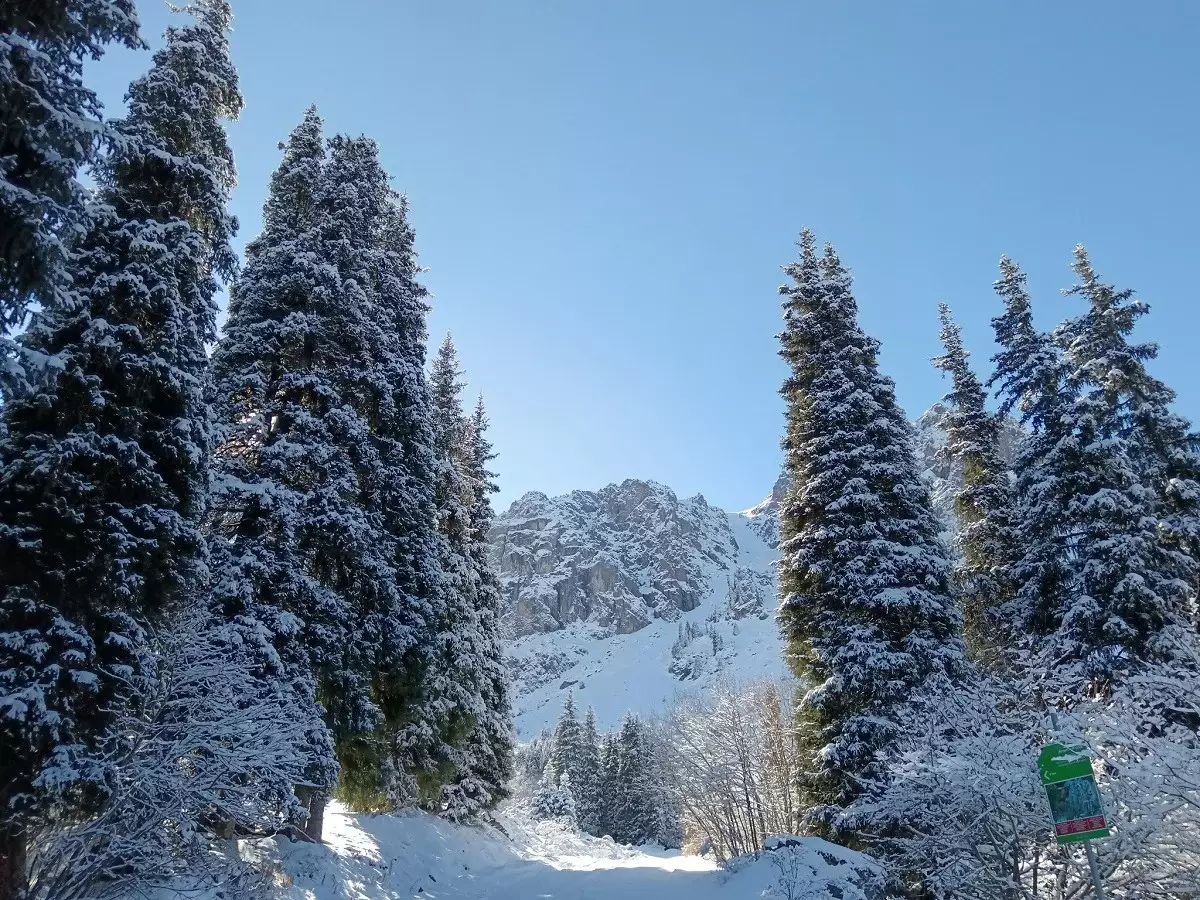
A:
<point x="617" y="558"/>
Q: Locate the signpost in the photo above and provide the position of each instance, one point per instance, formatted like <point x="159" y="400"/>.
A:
<point x="1075" y="801"/>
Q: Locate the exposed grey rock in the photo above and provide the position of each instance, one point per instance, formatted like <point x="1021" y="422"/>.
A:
<point x="616" y="558"/>
<point x="764" y="518"/>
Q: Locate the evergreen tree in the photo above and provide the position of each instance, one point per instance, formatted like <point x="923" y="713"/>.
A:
<point x="609" y="764"/>
<point x="1031" y="378"/>
<point x="457" y="663"/>
<point x="49" y="124"/>
<point x="987" y="540"/>
<point x="370" y="246"/>
<point x="409" y="683"/>
<point x="564" y="751"/>
<point x="1129" y="448"/>
<point x="104" y="457"/>
<point x="634" y="812"/>
<point x="327" y="499"/>
<point x="1095" y="575"/>
<point x="865" y="601"/>
<point x="276" y="460"/>
<point x="589" y="801"/>
<point x="488" y="756"/>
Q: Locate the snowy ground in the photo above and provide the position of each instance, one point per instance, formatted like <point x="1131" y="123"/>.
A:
<point x="631" y="672"/>
<point x="418" y="856"/>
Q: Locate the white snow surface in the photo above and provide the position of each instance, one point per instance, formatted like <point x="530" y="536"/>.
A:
<point x="414" y="855"/>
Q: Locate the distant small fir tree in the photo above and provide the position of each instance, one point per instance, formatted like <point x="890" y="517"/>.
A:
<point x="589" y="801"/>
<point x="635" y="817"/>
<point x="564" y="750"/>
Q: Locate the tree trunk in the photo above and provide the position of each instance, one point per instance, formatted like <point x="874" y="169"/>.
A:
<point x="13" y="862"/>
<point x="315" y="801"/>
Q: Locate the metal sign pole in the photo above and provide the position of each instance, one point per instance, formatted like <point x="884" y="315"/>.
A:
<point x="1075" y="802"/>
<point x="1096" y="883"/>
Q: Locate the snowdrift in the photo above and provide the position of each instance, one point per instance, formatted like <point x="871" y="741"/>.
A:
<point x="414" y="855"/>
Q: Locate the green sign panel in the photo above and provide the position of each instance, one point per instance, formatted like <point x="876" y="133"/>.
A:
<point x="1074" y="798"/>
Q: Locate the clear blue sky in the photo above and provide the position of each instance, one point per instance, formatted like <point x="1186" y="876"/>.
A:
<point x="604" y="190"/>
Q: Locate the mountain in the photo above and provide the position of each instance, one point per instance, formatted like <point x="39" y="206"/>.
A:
<point x="629" y="595"/>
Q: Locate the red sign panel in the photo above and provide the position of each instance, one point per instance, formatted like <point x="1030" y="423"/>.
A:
<point x="1076" y="826"/>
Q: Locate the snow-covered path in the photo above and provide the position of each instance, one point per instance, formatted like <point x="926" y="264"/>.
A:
<point x="418" y="856"/>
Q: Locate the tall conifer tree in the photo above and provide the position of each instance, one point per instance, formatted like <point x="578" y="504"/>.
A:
<point x="407" y="682"/>
<point x="49" y="126"/>
<point x="105" y="456"/>
<point x="274" y="453"/>
<point x="564" y="749"/>
<point x="865" y="601"/>
<point x="487" y="764"/>
<point x="987" y="541"/>
<point x="328" y="503"/>
<point x="589" y="801"/>
<point x="456" y="669"/>
<point x="1132" y="459"/>
<point x="1031" y="377"/>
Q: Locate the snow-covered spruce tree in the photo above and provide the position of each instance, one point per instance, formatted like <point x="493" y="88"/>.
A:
<point x="457" y="657"/>
<point x="865" y="599"/>
<point x="1133" y="457"/>
<point x="987" y="540"/>
<point x="104" y="457"/>
<point x="327" y="500"/>
<point x="277" y="470"/>
<point x="397" y="593"/>
<point x="412" y="692"/>
<point x="575" y="756"/>
<point x="49" y="128"/>
<point x="588" y="800"/>
<point x="609" y="761"/>
<point x="635" y="815"/>
<point x="1095" y="576"/>
<point x="487" y="765"/>
<point x="1031" y="377"/>
<point x="564" y="751"/>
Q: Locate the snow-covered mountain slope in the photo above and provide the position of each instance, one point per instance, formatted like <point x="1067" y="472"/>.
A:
<point x="686" y="595"/>
<point x="630" y="595"/>
<point x="415" y="855"/>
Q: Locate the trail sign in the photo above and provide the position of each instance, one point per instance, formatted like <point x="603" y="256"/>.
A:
<point x="1071" y="789"/>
